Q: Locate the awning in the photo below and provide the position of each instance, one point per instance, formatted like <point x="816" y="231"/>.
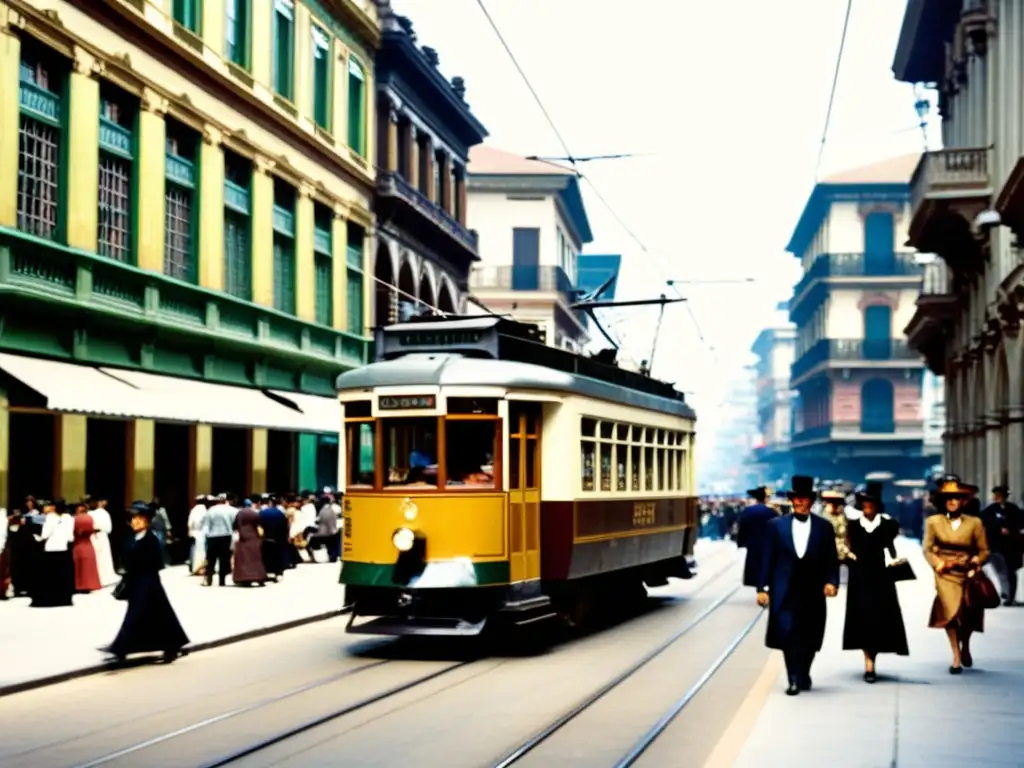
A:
<point x="203" y="402"/>
<point x="70" y="388"/>
<point x="322" y="413"/>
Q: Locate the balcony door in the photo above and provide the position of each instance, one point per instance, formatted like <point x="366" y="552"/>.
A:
<point x="877" y="406"/>
<point x="525" y="259"/>
<point x="879" y="244"/>
<point x="877" y="332"/>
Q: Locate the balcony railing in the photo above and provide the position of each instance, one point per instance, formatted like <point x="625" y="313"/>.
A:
<point x="858" y="265"/>
<point x="89" y="283"/>
<point x="391" y="184"/>
<point x="852" y="350"/>
<point x="950" y="174"/>
<point x="549" y="279"/>
<point x="869" y="425"/>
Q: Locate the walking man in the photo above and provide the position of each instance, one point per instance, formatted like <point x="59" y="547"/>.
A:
<point x="218" y="528"/>
<point x="800" y="569"/>
<point x="750" y="535"/>
<point x="1004" y="526"/>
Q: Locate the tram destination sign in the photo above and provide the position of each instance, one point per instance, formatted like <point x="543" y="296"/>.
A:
<point x="406" y="402"/>
<point x="439" y="338"/>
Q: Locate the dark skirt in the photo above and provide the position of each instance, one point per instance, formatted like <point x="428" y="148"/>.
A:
<point x="273" y="556"/>
<point x="248" y="566"/>
<point x="874" y="621"/>
<point x="54" y="582"/>
<point x="150" y="623"/>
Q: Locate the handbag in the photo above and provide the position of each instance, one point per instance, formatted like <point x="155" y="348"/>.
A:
<point x="980" y="592"/>
<point x="120" y="591"/>
<point x="900" y="570"/>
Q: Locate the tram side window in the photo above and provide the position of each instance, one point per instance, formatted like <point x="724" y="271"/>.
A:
<point x="361" y="459"/>
<point x="587" y="464"/>
<point x="621" y="452"/>
<point x="606" y="466"/>
<point x="634" y="451"/>
<point x="410" y="452"/>
<point x="469" y="452"/>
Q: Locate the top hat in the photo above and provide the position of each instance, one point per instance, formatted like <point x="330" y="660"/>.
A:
<point x="950" y="485"/>
<point x="759" y="494"/>
<point x="802" y="488"/>
<point x="872" y="492"/>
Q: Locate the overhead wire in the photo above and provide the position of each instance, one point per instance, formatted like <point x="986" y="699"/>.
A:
<point x="832" y="93"/>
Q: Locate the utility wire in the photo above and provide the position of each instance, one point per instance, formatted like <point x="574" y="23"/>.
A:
<point x="832" y="94"/>
<point x="573" y="162"/>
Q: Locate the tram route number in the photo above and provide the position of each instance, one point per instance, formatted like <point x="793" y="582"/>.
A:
<point x="644" y="514"/>
<point x="410" y="402"/>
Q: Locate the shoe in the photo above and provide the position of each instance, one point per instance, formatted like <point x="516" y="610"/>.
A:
<point x="955" y="670"/>
<point x="966" y="659"/>
<point x="805" y="685"/>
<point x="870" y="677"/>
<point x="793" y="689"/>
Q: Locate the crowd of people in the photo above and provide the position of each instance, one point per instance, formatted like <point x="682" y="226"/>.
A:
<point x="794" y="560"/>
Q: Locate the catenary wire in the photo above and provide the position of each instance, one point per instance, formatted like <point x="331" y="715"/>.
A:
<point x="832" y="93"/>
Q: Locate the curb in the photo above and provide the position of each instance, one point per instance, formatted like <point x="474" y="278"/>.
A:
<point x="95" y="669"/>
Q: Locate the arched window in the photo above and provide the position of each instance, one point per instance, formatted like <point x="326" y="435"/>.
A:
<point x="877" y="332"/>
<point x="877" y="407"/>
<point x="356" y="107"/>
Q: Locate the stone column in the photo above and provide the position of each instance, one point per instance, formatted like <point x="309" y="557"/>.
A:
<point x="10" y="121"/>
<point x="83" y="139"/>
<point x="414" y="156"/>
<point x="70" y="438"/>
<point x="140" y="451"/>
<point x="152" y="161"/>
<point x="211" y="212"/>
<point x="305" y="259"/>
<point x="262" y="216"/>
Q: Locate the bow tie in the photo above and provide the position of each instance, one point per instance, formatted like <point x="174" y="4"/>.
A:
<point x="801" y="518"/>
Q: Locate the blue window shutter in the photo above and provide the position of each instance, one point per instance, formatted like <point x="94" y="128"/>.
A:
<point x="879" y="244"/>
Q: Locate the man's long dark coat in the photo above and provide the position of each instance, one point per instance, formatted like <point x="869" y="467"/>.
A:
<point x="753" y="528"/>
<point x="796" y="618"/>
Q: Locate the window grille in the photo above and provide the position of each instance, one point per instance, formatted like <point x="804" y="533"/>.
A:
<point x="39" y="137"/>
<point x="115" y="207"/>
<point x="238" y="268"/>
<point x="284" y="274"/>
<point x="354" y="304"/>
<point x="178" y="261"/>
<point x="324" y="290"/>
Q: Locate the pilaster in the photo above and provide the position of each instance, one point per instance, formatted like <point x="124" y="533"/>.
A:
<point x="305" y="260"/>
<point x="339" y="246"/>
<point x="211" y="212"/>
<point x="213" y="27"/>
<point x="83" y="137"/>
<point x="200" y="460"/>
<point x="261" y="207"/>
<point x="428" y="184"/>
<point x="10" y="67"/>
<point x="141" y="454"/>
<point x="392" y="135"/>
<point x="414" y="156"/>
<point x="262" y="44"/>
<point x="461" y="194"/>
<point x="69" y="447"/>
<point x="256" y="461"/>
<point x="339" y="87"/>
<point x="152" y="153"/>
<point x="369" y="238"/>
<point x="303" y="65"/>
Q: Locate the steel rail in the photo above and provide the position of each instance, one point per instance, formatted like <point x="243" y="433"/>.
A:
<point x="666" y="719"/>
<point x="309" y="725"/>
<point x="541" y="736"/>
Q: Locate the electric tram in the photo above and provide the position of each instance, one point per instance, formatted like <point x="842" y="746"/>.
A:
<point x="490" y="477"/>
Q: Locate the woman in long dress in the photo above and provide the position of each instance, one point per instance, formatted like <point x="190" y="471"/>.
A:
<point x="101" y="543"/>
<point x="955" y="546"/>
<point x="248" y="566"/>
<point x="54" y="584"/>
<point x="150" y="623"/>
<point x="874" y="621"/>
<point x="87" y="573"/>
<point x="197" y="553"/>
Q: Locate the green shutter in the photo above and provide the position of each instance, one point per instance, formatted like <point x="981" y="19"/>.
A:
<point x="186" y="13"/>
<point x="237" y="267"/>
<point x="356" y="107"/>
<point x="324" y="290"/>
<point x="321" y="78"/>
<point x="284" y="274"/>
<point x="283" y="47"/>
<point x="236" y="31"/>
<point x="355" y="302"/>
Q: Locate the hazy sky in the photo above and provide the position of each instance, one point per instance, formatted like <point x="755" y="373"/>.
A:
<point x="729" y="97"/>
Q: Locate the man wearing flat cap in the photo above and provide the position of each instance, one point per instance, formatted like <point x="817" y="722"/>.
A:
<point x="750" y="534"/>
<point x="1004" y="526"/>
<point x="800" y="569"/>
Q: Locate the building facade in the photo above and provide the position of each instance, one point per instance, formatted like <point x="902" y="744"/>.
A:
<point x="775" y="348"/>
<point x="532" y="226"/>
<point x="858" y="383"/>
<point x="185" y="220"/>
<point x="968" y="208"/>
<point x="424" y="248"/>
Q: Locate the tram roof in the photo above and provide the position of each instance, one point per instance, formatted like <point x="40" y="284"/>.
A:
<point x="453" y="369"/>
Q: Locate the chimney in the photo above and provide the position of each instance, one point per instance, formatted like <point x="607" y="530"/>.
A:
<point x="459" y="87"/>
<point x="431" y="55"/>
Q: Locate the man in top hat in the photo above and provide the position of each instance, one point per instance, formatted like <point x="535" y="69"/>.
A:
<point x="800" y="569"/>
<point x="1004" y="526"/>
<point x="750" y="534"/>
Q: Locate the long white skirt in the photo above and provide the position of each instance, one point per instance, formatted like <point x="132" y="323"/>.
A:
<point x="104" y="559"/>
<point x="197" y="558"/>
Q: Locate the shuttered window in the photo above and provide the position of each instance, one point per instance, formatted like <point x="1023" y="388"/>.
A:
<point x="40" y="132"/>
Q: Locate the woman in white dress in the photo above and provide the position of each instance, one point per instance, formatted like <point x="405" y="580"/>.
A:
<point x="101" y="543"/>
<point x="197" y="554"/>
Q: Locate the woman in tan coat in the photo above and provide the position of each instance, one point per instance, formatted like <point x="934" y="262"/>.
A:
<point x="955" y="546"/>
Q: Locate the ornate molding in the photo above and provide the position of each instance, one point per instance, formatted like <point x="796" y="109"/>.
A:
<point x="212" y="135"/>
<point x="10" y="18"/>
<point x="151" y="101"/>
<point x="306" y="189"/>
<point x="85" y="63"/>
<point x="263" y="164"/>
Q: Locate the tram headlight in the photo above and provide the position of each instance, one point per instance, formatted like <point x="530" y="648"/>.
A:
<point x="403" y="539"/>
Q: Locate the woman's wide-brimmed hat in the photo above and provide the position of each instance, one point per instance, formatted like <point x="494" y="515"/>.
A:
<point x="141" y="509"/>
<point x="832" y="492"/>
<point x="872" y="492"/>
<point x="802" y="488"/>
<point x="949" y="486"/>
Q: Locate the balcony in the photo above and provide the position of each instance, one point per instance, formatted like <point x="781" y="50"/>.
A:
<point x="149" y="320"/>
<point x="541" y="279"/>
<point x="413" y="212"/>
<point x="932" y="324"/>
<point x="850" y="266"/>
<point x="848" y="353"/>
<point x="870" y="428"/>
<point x="949" y="188"/>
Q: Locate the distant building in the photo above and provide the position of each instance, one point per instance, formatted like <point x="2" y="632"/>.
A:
<point x="727" y="469"/>
<point x="775" y="348"/>
<point x="859" y="384"/>
<point x="532" y="225"/>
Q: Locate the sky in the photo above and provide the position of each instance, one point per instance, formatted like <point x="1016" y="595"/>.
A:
<point x="729" y="100"/>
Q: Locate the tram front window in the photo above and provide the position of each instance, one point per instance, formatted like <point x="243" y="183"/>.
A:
<point x="469" y="452"/>
<point x="410" y="453"/>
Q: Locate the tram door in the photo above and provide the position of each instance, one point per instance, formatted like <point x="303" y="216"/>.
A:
<point x="524" y="489"/>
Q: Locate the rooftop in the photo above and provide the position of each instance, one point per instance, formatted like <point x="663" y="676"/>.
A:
<point x="895" y="170"/>
<point x="485" y="160"/>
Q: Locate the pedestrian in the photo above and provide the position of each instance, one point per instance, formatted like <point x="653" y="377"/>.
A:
<point x="955" y="546"/>
<point x="1004" y="526"/>
<point x="750" y="535"/>
<point x="874" y="621"/>
<point x="218" y="528"/>
<point x="248" y="566"/>
<point x="275" y="537"/>
<point x="25" y="547"/>
<point x="150" y="623"/>
<point x="197" y="539"/>
<point x="101" y="542"/>
<point x="327" y="532"/>
<point x="54" y="584"/>
<point x="800" y="570"/>
<point x="87" y="572"/>
<point x="161" y="527"/>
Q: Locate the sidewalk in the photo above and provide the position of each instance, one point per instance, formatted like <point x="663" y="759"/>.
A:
<point x="917" y="714"/>
<point x="37" y="644"/>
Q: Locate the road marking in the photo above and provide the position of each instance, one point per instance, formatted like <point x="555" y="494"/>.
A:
<point x="735" y="736"/>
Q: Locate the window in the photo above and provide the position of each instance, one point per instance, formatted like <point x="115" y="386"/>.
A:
<point x="877" y="406"/>
<point x="321" y="77"/>
<point x="525" y="259"/>
<point x="470" y="451"/>
<point x="284" y="43"/>
<point x="117" y="146"/>
<point x="354" y="275"/>
<point x="284" y="248"/>
<point x="187" y="14"/>
<point x="410" y="452"/>
<point x="359" y="439"/>
<point x="237" y="243"/>
<point x="323" y="266"/>
<point x="356" y="107"/>
<point x="236" y="32"/>
<point x="40" y="133"/>
<point x="180" y="203"/>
